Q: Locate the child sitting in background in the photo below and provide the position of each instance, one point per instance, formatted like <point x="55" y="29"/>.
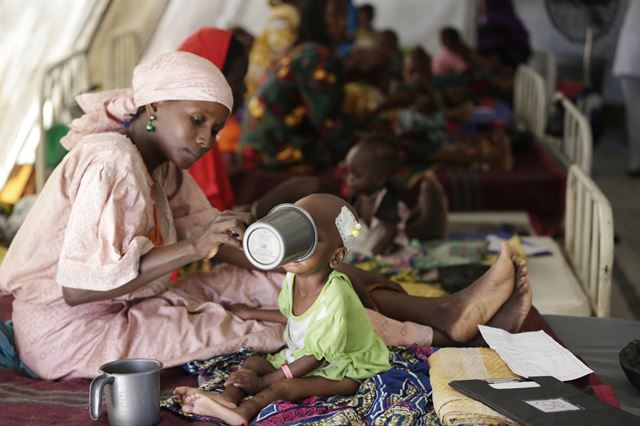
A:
<point x="452" y="57"/>
<point x="331" y="345"/>
<point x="386" y="221"/>
<point x="418" y="110"/>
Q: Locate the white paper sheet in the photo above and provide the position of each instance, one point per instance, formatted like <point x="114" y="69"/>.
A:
<point x="533" y="354"/>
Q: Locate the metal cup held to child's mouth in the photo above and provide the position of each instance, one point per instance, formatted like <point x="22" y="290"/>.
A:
<point x="288" y="233"/>
<point x="132" y="389"/>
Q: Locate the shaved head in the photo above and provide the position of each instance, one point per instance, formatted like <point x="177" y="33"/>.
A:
<point x="324" y="209"/>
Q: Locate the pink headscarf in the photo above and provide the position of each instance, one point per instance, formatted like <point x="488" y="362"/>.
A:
<point x="175" y="76"/>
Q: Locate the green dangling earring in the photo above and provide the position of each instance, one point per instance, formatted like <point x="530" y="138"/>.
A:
<point x="150" y="126"/>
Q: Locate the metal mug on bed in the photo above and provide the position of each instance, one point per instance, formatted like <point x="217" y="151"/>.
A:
<point x="132" y="389"/>
<point x="288" y="233"/>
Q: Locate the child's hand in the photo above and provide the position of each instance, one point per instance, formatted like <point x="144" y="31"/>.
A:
<point x="241" y="310"/>
<point x="246" y="380"/>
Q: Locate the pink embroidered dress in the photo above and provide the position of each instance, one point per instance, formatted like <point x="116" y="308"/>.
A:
<point x="98" y="213"/>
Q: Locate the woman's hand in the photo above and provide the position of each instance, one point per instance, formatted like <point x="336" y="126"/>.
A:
<point x="247" y="380"/>
<point x="228" y="229"/>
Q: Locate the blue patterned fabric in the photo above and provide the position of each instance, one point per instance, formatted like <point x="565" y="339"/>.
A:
<point x="8" y="355"/>
<point x="399" y="396"/>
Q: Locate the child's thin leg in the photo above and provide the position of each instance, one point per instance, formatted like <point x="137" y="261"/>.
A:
<point x="428" y="220"/>
<point x="289" y="389"/>
<point x="231" y="395"/>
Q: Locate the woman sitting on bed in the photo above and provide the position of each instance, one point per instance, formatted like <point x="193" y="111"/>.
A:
<point x="88" y="268"/>
<point x="294" y="119"/>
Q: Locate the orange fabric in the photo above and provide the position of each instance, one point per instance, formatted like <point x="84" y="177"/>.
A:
<point x="209" y="171"/>
<point x="229" y="136"/>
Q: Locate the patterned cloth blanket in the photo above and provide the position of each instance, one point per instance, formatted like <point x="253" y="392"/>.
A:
<point x="425" y="258"/>
<point x="400" y="396"/>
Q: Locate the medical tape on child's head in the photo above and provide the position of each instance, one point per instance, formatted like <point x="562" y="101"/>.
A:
<point x="348" y="227"/>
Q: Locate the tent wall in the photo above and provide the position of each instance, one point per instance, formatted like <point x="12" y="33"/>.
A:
<point x="33" y="35"/>
<point x="415" y="21"/>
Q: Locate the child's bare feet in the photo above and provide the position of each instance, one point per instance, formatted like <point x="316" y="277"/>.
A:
<point x="502" y="153"/>
<point x="480" y="302"/>
<point x="429" y="218"/>
<point x="182" y="392"/>
<point x="205" y="406"/>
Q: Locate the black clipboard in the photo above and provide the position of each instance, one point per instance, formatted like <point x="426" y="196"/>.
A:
<point x="543" y="401"/>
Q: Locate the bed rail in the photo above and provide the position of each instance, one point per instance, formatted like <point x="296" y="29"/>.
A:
<point x="530" y="101"/>
<point x="576" y="144"/>
<point x="545" y="63"/>
<point x="589" y="238"/>
<point x="61" y="83"/>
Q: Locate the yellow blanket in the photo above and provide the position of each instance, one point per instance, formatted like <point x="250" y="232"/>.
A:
<point x="452" y="407"/>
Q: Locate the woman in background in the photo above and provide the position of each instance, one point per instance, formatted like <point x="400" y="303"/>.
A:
<point x="501" y="33"/>
<point x="279" y="34"/>
<point x="295" y="120"/>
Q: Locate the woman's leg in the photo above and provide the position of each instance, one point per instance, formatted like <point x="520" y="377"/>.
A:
<point x="396" y="333"/>
<point x="509" y="317"/>
<point x="459" y="314"/>
<point x="289" y="389"/>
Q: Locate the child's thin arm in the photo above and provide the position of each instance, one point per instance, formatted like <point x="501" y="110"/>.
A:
<point x="299" y="368"/>
<point x="390" y="230"/>
<point x="249" y="381"/>
<point x="248" y="313"/>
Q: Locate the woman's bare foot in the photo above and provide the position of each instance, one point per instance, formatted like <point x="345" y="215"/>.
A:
<point x="480" y="302"/>
<point x="429" y="218"/>
<point x="512" y="314"/>
<point x="205" y="406"/>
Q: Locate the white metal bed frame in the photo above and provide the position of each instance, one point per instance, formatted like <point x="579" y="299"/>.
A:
<point x="545" y="63"/>
<point x="589" y="238"/>
<point x="576" y="144"/>
<point x="530" y="101"/>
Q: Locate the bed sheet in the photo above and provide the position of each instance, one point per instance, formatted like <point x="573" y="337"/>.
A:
<point x="24" y="401"/>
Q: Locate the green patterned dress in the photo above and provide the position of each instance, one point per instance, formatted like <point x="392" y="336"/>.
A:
<point x="295" y="119"/>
